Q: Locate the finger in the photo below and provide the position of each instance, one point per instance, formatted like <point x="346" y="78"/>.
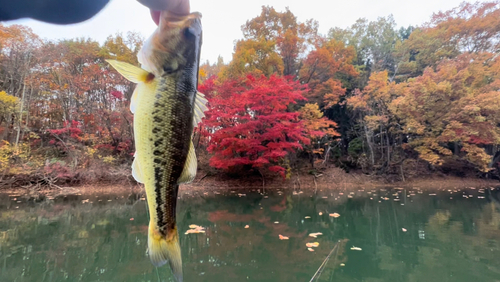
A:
<point x="180" y="7"/>
<point x="156" y="16"/>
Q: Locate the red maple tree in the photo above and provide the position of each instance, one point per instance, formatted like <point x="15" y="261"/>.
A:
<point x="249" y="123"/>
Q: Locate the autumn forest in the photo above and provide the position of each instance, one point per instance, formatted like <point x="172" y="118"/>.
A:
<point x="374" y="98"/>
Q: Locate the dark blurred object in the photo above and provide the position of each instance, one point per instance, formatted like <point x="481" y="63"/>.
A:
<point x="51" y="11"/>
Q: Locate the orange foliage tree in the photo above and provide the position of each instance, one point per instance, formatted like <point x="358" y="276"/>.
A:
<point x="453" y="111"/>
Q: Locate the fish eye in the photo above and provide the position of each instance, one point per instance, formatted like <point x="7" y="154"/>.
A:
<point x="189" y="33"/>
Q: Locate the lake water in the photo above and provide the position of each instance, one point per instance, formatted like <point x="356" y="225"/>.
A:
<point x="381" y="235"/>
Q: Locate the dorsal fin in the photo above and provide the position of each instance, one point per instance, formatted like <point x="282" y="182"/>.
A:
<point x="199" y="108"/>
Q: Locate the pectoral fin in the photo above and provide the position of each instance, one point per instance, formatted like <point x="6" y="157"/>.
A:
<point x="144" y="79"/>
<point x="130" y="72"/>
<point x="190" y="167"/>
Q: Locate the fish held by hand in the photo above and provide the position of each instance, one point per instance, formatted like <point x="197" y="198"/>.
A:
<point x="166" y="107"/>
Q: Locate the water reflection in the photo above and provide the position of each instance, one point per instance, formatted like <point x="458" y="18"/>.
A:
<point x="403" y="234"/>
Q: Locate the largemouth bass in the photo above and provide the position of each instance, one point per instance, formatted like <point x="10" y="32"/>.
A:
<point x="166" y="107"/>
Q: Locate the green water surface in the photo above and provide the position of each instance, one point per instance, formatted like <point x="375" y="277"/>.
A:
<point x="400" y="234"/>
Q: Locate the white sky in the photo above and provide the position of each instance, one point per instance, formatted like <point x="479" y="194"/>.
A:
<point x="222" y="19"/>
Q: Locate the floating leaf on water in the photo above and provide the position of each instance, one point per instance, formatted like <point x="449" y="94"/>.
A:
<point x="355" y="248"/>
<point x="432" y="194"/>
<point x="194" y="231"/>
<point x="342" y="264"/>
<point x="320" y="213"/>
<point x="310" y="249"/>
<point x="85" y="201"/>
<point x="324" y="197"/>
<point x="276" y="222"/>
<point x="315" y="235"/>
<point x="404" y="229"/>
<point x="242" y="195"/>
<point x="335" y="215"/>
<point x="307" y="217"/>
<point x="283" y="237"/>
<point x="131" y="218"/>
<point x="312" y="245"/>
<point x="247" y="226"/>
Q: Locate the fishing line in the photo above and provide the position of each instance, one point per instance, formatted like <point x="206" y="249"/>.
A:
<point x="320" y="269"/>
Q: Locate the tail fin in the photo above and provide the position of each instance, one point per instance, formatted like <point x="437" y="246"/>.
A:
<point x="163" y="249"/>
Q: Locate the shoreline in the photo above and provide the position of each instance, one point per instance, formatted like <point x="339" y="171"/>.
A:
<point x="201" y="185"/>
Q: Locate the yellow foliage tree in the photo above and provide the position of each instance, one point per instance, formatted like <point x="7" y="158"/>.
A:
<point x="318" y="128"/>
<point x="8" y="106"/>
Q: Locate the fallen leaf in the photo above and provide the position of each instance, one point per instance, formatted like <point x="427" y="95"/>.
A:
<point x="404" y="229"/>
<point x="311" y="245"/>
<point x="283" y="237"/>
<point x="307" y="217"/>
<point x="355" y="248"/>
<point x="195" y="231"/>
<point x="276" y="222"/>
<point x="320" y="213"/>
<point x="192" y="226"/>
<point x="131" y="218"/>
<point x="310" y="249"/>
<point x="247" y="226"/>
<point x="342" y="264"/>
<point x="315" y="235"/>
<point x="335" y="215"/>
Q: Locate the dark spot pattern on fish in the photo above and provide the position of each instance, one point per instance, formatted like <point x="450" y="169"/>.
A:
<point x="172" y="119"/>
<point x="158" y="142"/>
<point x="158" y="175"/>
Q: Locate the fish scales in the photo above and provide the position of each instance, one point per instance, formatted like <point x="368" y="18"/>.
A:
<point x="171" y="135"/>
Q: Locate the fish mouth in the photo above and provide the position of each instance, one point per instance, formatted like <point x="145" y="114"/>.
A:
<point x="170" y="20"/>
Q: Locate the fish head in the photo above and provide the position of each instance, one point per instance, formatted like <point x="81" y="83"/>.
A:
<point x="174" y="46"/>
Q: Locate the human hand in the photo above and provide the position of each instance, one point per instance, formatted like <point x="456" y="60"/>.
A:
<point x="178" y="7"/>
